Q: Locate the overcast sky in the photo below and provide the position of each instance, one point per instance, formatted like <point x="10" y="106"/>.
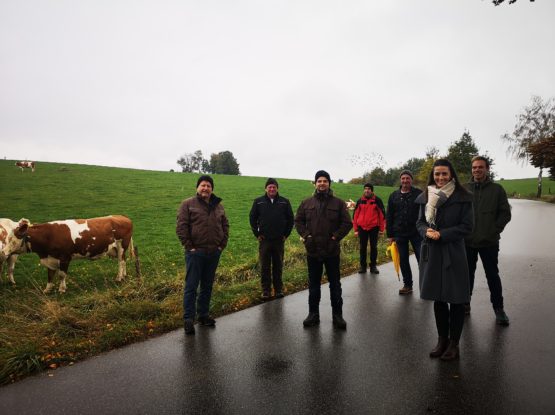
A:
<point x="288" y="86"/>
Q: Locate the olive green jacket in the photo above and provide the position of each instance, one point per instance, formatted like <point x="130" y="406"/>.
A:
<point x="492" y="212"/>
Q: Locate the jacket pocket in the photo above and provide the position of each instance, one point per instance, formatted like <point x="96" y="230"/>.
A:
<point x="424" y="252"/>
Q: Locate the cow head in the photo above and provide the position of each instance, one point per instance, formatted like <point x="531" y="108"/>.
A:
<point x="15" y="240"/>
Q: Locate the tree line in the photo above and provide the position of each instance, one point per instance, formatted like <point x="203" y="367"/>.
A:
<point x="532" y="141"/>
<point x="220" y="163"/>
<point x="459" y="153"/>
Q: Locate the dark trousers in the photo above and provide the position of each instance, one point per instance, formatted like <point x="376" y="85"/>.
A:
<point x="201" y="270"/>
<point x="489" y="256"/>
<point x="315" y="270"/>
<point x="363" y="238"/>
<point x="449" y="319"/>
<point x="403" y="247"/>
<point x="271" y="263"/>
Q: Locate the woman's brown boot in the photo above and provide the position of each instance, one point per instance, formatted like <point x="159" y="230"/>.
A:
<point x="442" y="343"/>
<point x="452" y="351"/>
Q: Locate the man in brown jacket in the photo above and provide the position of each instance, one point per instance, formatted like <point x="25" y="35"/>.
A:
<point x="203" y="230"/>
<point x="322" y="221"/>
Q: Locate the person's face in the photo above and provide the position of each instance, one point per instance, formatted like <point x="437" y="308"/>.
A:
<point x="367" y="192"/>
<point x="479" y="170"/>
<point x="322" y="184"/>
<point x="442" y="176"/>
<point x="406" y="182"/>
<point x="204" y="189"/>
<point x="271" y="191"/>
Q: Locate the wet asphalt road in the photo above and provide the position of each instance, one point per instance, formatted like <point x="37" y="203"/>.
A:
<point x="262" y="360"/>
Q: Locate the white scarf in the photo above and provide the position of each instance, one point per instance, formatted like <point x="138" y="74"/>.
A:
<point x="436" y="198"/>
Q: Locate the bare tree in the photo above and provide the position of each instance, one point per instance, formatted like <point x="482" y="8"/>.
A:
<point x="535" y="128"/>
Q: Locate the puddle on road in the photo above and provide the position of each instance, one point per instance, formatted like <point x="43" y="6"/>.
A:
<point x="271" y="365"/>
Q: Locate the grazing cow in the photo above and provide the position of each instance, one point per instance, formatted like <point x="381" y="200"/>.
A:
<point x="26" y="165"/>
<point x="57" y="243"/>
<point x="350" y="204"/>
<point x="6" y="226"/>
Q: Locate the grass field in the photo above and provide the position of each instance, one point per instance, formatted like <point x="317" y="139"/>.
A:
<point x="96" y="314"/>
<point x="528" y="188"/>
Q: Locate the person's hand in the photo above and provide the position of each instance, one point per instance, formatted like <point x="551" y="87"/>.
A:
<point x="260" y="237"/>
<point x="356" y="234"/>
<point x="432" y="234"/>
<point x="333" y="237"/>
<point x="390" y="240"/>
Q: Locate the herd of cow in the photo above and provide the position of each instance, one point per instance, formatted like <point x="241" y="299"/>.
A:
<point x="57" y="243"/>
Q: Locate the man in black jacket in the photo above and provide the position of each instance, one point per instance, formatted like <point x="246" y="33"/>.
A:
<point x="492" y="212"/>
<point x="401" y="217"/>
<point x="271" y="220"/>
<point x="323" y="221"/>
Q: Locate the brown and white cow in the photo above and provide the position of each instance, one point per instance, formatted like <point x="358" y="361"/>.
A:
<point x="7" y="226"/>
<point x="57" y="243"/>
<point x="26" y="165"/>
<point x="350" y="204"/>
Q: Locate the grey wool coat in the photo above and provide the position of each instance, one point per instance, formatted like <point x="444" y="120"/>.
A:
<point x="443" y="267"/>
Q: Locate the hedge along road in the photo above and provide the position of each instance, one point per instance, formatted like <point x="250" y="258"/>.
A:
<point x="262" y="360"/>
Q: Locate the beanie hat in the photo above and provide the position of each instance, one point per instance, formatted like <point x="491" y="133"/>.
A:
<point x="406" y="172"/>
<point x="271" y="181"/>
<point x="205" y="178"/>
<point x="322" y="173"/>
<point x="370" y="185"/>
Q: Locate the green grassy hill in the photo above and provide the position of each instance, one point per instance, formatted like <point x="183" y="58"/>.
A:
<point x="96" y="314"/>
<point x="527" y="188"/>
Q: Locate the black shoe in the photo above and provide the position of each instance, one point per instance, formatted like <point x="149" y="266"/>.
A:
<point x="374" y="270"/>
<point x="279" y="294"/>
<point x="189" y="326"/>
<point x="362" y="270"/>
<point x="312" y="319"/>
<point x="206" y="321"/>
<point x="339" y="322"/>
<point x="501" y="317"/>
<point x="266" y="295"/>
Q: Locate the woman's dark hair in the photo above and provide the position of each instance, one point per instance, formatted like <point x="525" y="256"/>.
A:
<point x="445" y="163"/>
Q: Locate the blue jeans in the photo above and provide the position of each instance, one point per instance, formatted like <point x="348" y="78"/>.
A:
<point x="403" y="246"/>
<point x="201" y="270"/>
<point x="315" y="271"/>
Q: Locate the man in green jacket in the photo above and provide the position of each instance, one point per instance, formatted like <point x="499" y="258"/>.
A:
<point x="322" y="221"/>
<point x="492" y="212"/>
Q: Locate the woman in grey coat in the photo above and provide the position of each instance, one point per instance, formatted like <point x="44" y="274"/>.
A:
<point x="445" y="218"/>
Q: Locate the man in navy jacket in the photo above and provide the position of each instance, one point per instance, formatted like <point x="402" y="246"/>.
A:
<point x="271" y="219"/>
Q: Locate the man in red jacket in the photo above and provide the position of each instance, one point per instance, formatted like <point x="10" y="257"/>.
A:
<point x="368" y="221"/>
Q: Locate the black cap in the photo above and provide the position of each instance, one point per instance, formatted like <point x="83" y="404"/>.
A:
<point x="370" y="185"/>
<point x="271" y="181"/>
<point x="205" y="178"/>
<point x="406" y="172"/>
<point x="322" y="173"/>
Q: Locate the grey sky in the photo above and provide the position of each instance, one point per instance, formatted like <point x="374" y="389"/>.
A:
<point x="289" y="87"/>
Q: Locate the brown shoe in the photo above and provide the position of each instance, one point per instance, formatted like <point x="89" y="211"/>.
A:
<point x="442" y="343"/>
<point x="452" y="351"/>
<point x="405" y="290"/>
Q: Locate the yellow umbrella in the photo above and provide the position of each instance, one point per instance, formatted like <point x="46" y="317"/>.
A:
<point x="393" y="252"/>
